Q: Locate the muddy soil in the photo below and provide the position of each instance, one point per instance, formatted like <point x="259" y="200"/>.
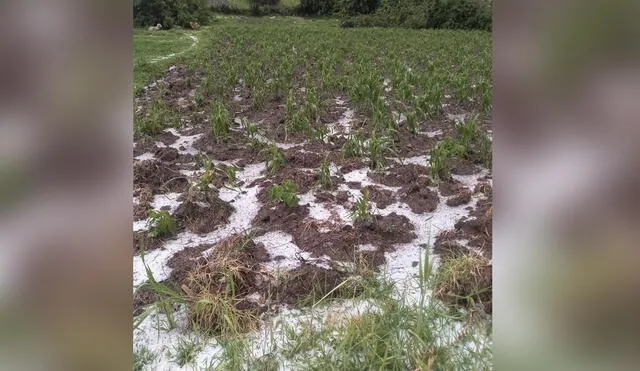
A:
<point x="381" y="197"/>
<point x="419" y="198"/>
<point x="461" y="198"/>
<point x="142" y="240"/>
<point x="308" y="283"/>
<point x="385" y="230"/>
<point x="402" y="175"/>
<point x="203" y="218"/>
<point x="158" y="177"/>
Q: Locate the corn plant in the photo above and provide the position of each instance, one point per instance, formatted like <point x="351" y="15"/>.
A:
<point x="440" y="155"/>
<point x="325" y="175"/>
<point x="209" y="172"/>
<point x="412" y="121"/>
<point x="361" y="210"/>
<point x="312" y="105"/>
<point x="220" y="122"/>
<point x="354" y="147"/>
<point x="232" y="175"/>
<point x="276" y="160"/>
<point x="377" y="150"/>
<point x="284" y="193"/>
<point x="160" y="224"/>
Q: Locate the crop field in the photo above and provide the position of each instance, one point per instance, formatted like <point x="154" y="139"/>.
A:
<point x="312" y="197"/>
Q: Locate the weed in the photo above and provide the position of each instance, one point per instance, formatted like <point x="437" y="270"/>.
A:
<point x="198" y="99"/>
<point x="160" y="223"/>
<point x="185" y="351"/>
<point x="325" y="175"/>
<point x="155" y="118"/>
<point x="276" y="160"/>
<point x="220" y="122"/>
<point x="362" y="208"/>
<point x="464" y="280"/>
<point x="284" y="193"/>
<point x="143" y="357"/>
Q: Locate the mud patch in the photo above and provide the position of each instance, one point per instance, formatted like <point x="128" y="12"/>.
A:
<point x="461" y="198"/>
<point x="233" y="149"/>
<point x="280" y="217"/>
<point x="203" y="218"/>
<point x="477" y="228"/>
<point x="141" y="209"/>
<point x="420" y="198"/>
<point x="305" y="285"/>
<point x="158" y="177"/>
<point x="461" y="167"/>
<point x="381" y="197"/>
<point x="143" y="296"/>
<point x="141" y="240"/>
<point x="385" y="230"/>
<point x="451" y="187"/>
<point x="304" y="159"/>
<point x="401" y="175"/>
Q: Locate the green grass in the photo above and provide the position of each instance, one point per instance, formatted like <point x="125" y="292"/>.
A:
<point x="244" y="4"/>
<point x="185" y="351"/>
<point x="150" y="46"/>
<point x="143" y="357"/>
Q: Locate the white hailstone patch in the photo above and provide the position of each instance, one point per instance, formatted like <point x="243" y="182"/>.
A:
<point x="343" y="126"/>
<point x="416" y="160"/>
<point x="432" y="134"/>
<point x="184" y="141"/>
<point x="140" y="225"/>
<point x="367" y="247"/>
<point x="283" y="252"/>
<point x="385" y="84"/>
<point x="399" y="118"/>
<point x="285" y="146"/>
<point x="145" y="156"/>
<point x="246" y="207"/>
<point x="166" y="200"/>
<point x="470" y="181"/>
<point x="154" y="335"/>
<point x="457" y="118"/>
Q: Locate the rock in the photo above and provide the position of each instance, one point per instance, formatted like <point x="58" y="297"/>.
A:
<point x="347" y="23"/>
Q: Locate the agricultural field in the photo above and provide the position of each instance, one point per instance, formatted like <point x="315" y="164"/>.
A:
<point x="307" y="196"/>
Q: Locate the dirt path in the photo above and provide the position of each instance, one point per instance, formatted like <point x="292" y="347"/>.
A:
<point x="195" y="40"/>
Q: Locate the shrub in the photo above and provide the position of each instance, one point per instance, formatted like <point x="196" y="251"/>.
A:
<point x="451" y="14"/>
<point x="317" y="7"/>
<point x="353" y="7"/>
<point x="170" y="13"/>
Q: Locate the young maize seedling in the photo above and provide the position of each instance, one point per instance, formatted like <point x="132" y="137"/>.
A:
<point x="362" y="208"/>
<point x="220" y="122"/>
<point x="276" y="161"/>
<point x="325" y="175"/>
<point x="284" y="193"/>
<point x="161" y="223"/>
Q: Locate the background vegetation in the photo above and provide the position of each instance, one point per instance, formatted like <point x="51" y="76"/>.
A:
<point x="447" y="14"/>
